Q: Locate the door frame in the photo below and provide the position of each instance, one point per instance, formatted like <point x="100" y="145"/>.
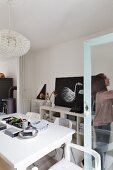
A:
<point x="108" y="38"/>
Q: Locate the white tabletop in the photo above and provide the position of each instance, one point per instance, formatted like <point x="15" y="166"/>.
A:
<point x="20" y="153"/>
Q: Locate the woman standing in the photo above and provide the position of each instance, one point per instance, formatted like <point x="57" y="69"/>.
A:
<point x="104" y="113"/>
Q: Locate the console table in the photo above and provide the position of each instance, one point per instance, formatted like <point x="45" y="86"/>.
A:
<point x="64" y="111"/>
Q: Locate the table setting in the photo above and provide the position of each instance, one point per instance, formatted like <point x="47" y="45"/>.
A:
<point x="22" y="128"/>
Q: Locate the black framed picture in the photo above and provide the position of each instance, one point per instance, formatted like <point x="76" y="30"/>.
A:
<point x="69" y="92"/>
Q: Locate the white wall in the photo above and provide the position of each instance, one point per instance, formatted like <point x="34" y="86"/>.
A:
<point x="102" y="61"/>
<point x="9" y="68"/>
<point x="63" y="60"/>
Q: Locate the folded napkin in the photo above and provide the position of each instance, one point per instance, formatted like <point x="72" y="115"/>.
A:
<point x="40" y="125"/>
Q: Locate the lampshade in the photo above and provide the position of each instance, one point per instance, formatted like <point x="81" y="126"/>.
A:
<point x="13" y="44"/>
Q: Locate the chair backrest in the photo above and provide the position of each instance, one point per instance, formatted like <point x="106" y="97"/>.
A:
<point x="87" y="151"/>
<point x="66" y="163"/>
<point x="32" y="116"/>
<point x="63" y="122"/>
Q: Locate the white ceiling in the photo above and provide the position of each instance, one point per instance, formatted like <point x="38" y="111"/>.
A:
<point x="48" y="22"/>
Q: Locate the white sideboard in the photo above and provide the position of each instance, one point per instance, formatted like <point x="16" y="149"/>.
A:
<point x="32" y="105"/>
<point x="35" y="105"/>
<point x="64" y="111"/>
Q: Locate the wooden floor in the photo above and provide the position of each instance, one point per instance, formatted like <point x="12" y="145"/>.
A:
<point x="3" y="165"/>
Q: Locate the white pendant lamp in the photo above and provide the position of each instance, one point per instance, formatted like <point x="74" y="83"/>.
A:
<point x="12" y="43"/>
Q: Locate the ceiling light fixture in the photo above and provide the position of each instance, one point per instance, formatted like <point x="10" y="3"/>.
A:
<point x="12" y="43"/>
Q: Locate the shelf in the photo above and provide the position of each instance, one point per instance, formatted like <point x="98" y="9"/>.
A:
<point x="64" y="111"/>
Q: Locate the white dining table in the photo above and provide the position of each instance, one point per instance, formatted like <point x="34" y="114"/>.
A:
<point x="19" y="153"/>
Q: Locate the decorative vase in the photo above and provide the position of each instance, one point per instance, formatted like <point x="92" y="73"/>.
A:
<point x="48" y="103"/>
<point x="53" y="104"/>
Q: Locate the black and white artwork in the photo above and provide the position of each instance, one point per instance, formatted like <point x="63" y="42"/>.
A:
<point x="69" y="92"/>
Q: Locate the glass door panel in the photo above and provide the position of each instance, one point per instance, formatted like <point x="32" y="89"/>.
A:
<point x="102" y="64"/>
<point x="98" y="58"/>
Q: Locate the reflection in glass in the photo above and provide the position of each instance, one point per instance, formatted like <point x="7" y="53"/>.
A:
<point x="102" y="101"/>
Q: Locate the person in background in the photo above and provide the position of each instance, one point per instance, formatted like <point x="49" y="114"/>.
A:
<point x="103" y="113"/>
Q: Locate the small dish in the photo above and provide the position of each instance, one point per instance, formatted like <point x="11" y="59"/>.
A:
<point x="34" y="133"/>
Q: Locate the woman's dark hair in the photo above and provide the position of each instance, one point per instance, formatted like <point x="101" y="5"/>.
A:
<point x="98" y="84"/>
<point x="101" y="75"/>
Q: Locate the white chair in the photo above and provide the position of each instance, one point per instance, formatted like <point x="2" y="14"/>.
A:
<point x="58" y="153"/>
<point x="76" y="155"/>
<point x="65" y="163"/>
<point x="32" y="116"/>
<point x="63" y="122"/>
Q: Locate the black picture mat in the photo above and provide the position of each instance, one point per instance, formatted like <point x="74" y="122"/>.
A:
<point x="69" y="83"/>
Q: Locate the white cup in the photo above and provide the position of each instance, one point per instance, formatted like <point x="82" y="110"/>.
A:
<point x="24" y="124"/>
